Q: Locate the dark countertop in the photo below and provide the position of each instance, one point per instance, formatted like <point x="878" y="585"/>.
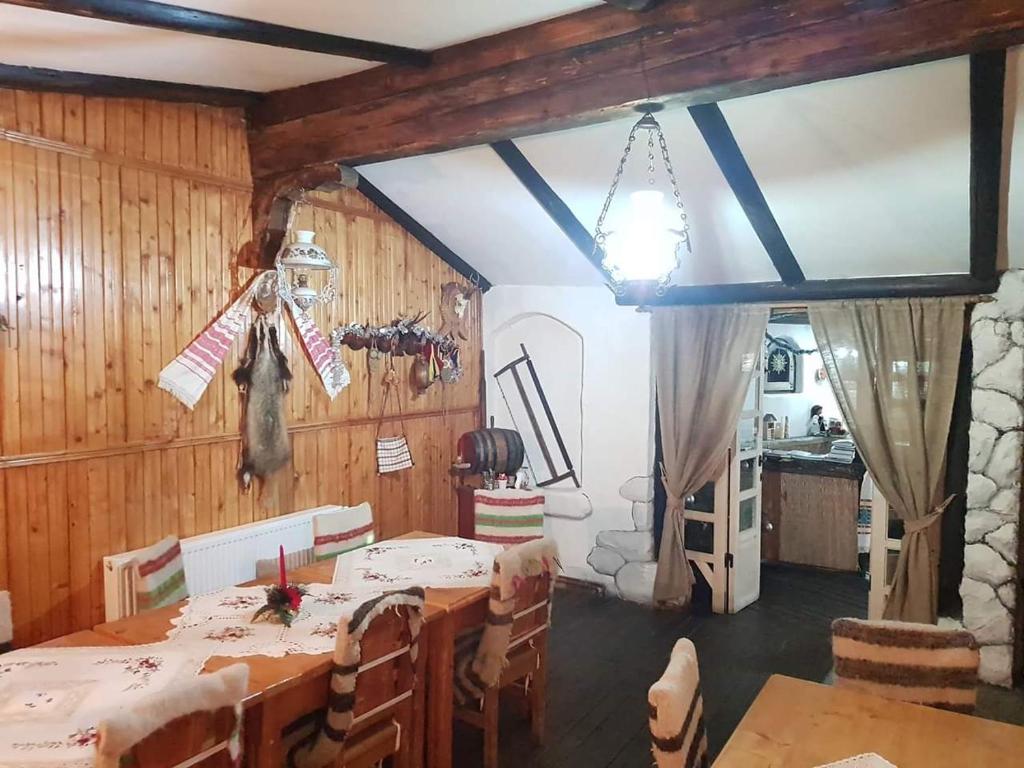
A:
<point x="798" y="466"/>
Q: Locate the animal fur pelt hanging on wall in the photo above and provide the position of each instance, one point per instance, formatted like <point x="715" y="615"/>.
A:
<point x="262" y="379"/>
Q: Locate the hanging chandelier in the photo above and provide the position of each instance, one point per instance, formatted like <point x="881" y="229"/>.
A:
<point x="643" y="248"/>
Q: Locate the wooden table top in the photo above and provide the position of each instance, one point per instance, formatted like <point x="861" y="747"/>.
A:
<point x="87" y="638"/>
<point x="797" y="724"/>
<point x="271" y="674"/>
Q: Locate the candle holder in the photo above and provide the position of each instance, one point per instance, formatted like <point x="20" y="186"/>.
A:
<point x="283" y="599"/>
<point x="283" y="603"/>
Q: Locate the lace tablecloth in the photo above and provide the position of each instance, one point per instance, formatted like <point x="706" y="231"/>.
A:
<point x="220" y="624"/>
<point x="52" y="699"/>
<point x="399" y="564"/>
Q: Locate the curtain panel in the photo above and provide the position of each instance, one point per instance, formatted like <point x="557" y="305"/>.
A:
<point x="893" y="367"/>
<point x="703" y="361"/>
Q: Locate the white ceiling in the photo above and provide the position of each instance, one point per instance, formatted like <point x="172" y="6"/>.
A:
<point x="866" y="176"/>
<point x="475" y="206"/>
<point x="31" y="37"/>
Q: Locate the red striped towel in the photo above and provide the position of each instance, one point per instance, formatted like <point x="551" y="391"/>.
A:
<point x="328" y="363"/>
<point x="189" y="374"/>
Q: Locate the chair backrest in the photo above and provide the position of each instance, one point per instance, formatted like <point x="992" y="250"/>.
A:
<point x="194" y="723"/>
<point x="518" y="609"/>
<point x="676" y="712"/>
<point x="160" y="575"/>
<point x="346" y="529"/>
<point x="919" y="663"/>
<point x="374" y="672"/>
<point x="270" y="567"/>
<point x="6" y="622"/>
<point x="508" y="516"/>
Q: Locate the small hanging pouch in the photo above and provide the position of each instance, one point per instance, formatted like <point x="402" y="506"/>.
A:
<point x="392" y="452"/>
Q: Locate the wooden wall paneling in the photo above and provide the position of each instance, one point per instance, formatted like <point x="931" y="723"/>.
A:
<point x="10" y="416"/>
<point x="121" y="258"/>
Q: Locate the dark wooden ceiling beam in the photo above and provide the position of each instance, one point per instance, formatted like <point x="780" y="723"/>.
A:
<point x="548" y="199"/>
<point x="597" y="64"/>
<point x="810" y="290"/>
<point x="634" y="5"/>
<point x="177" y="18"/>
<point x="39" y="79"/>
<point x="720" y="140"/>
<point x="421" y="233"/>
<point x="988" y="82"/>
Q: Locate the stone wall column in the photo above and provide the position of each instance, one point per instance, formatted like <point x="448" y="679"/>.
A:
<point x="989" y="588"/>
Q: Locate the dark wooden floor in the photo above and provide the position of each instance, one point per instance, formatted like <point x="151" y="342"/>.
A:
<point x="605" y="653"/>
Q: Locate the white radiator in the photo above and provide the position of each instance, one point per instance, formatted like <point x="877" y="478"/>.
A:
<point x="214" y="560"/>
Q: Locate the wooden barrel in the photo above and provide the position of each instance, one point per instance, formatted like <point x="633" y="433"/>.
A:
<point x="499" y="450"/>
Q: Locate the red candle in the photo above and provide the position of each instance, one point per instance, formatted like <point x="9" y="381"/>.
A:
<point x="280" y="560"/>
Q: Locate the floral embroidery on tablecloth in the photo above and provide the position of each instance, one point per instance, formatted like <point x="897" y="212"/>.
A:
<point x="229" y="633"/>
<point x="53" y="699"/>
<point x="403" y="563"/>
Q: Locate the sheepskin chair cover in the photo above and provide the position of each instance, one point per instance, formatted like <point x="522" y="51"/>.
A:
<point x="481" y="655"/>
<point x="919" y="663"/>
<point x="206" y="693"/>
<point x="323" y="747"/>
<point x="6" y="622"/>
<point x="677" y="712"/>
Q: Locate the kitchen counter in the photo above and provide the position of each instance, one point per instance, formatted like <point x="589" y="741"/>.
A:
<point x="809" y="511"/>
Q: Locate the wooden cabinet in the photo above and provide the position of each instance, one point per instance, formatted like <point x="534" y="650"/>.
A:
<point x="810" y="513"/>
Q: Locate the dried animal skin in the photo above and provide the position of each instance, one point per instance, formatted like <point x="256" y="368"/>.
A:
<point x="263" y="378"/>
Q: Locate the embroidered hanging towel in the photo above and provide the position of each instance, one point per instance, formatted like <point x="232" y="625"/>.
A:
<point x="188" y="375"/>
<point x="392" y="452"/>
<point x="327" y="361"/>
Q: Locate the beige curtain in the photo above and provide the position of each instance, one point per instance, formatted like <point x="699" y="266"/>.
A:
<point x="703" y="360"/>
<point x="893" y="366"/>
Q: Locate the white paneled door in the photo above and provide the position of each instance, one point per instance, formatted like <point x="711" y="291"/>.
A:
<point x="743" y="556"/>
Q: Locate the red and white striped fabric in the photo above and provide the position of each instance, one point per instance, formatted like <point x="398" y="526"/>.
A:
<point x="189" y="374"/>
<point x="160" y="575"/>
<point x="328" y="363"/>
<point x="342" y="531"/>
<point x="508" y="516"/>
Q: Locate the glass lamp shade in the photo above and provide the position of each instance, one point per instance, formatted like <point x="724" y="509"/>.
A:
<point x="302" y="293"/>
<point x="301" y="253"/>
<point x="643" y="248"/>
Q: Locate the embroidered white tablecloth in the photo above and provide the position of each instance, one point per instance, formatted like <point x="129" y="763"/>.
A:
<point x="399" y="564"/>
<point x="220" y="624"/>
<point x="52" y="699"/>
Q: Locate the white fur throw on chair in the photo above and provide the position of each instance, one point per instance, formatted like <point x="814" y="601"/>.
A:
<point x="6" y="622"/>
<point x="206" y="693"/>
<point x="677" y="712"/>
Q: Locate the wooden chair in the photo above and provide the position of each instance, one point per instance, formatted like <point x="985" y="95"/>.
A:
<point x="370" y="713"/>
<point x="193" y="724"/>
<point x="676" y="712"/>
<point x="918" y="663"/>
<point x="6" y="622"/>
<point x="516" y="633"/>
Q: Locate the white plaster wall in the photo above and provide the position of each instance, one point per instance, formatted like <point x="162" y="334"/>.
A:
<point x="797" y="405"/>
<point x="618" y="435"/>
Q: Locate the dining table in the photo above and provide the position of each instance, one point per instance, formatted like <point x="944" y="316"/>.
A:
<point x="799" y="724"/>
<point x="282" y="689"/>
